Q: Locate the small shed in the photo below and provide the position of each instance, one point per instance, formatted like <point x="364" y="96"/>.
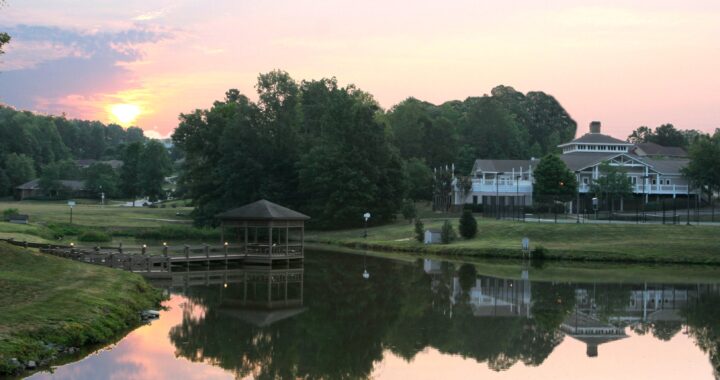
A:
<point x="19" y="219"/>
<point x="265" y="229"/>
<point x="432" y="236"/>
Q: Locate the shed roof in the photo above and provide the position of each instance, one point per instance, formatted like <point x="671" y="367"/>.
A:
<point x="652" y="149"/>
<point x="70" y="184"/>
<point x="262" y="210"/>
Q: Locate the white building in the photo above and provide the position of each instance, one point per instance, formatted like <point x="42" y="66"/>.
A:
<point x="653" y="169"/>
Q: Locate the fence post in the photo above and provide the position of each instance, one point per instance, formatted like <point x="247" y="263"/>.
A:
<point x="207" y="254"/>
<point x="144" y="249"/>
<point x="120" y="250"/>
<point x="187" y="255"/>
<point x="225" y="248"/>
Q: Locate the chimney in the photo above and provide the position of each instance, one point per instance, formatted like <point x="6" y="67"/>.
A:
<point x="594" y="127"/>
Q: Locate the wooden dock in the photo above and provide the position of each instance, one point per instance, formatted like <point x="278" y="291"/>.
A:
<point x="144" y="259"/>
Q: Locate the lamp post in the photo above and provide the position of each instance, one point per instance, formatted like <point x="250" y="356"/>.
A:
<point x="644" y="197"/>
<point x="688" y="203"/>
<point x="497" y="194"/>
<point x="577" y="201"/>
<point x="365" y="274"/>
<point x="517" y="194"/>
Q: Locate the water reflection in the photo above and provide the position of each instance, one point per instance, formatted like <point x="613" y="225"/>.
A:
<point x="325" y="321"/>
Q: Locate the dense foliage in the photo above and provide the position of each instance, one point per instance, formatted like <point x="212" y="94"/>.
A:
<point x="665" y="135"/>
<point x="703" y="169"/>
<point x="32" y="144"/>
<point x="554" y="182"/>
<point x="468" y="225"/>
<point x="331" y="152"/>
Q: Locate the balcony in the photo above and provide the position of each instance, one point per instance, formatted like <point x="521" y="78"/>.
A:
<point x="650" y="189"/>
<point x="503" y="186"/>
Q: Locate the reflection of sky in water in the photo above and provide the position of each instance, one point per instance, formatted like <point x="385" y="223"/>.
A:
<point x="427" y="324"/>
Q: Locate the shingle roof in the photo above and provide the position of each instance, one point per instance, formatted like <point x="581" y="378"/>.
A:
<point x="71" y="184"/>
<point x="262" y="210"/>
<point x="667" y="165"/>
<point x="496" y="166"/>
<point x="652" y="149"/>
<point x="581" y="160"/>
<point x="595" y="138"/>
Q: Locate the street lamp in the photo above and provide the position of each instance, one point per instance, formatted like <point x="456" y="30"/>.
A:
<point x="644" y="197"/>
<point x="365" y="274"/>
<point x="517" y="194"/>
<point x="577" y="201"/>
<point x="497" y="194"/>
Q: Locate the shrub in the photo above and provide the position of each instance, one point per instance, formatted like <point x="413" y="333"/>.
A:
<point x="63" y="229"/>
<point x="178" y="232"/>
<point x="419" y="231"/>
<point x="174" y="205"/>
<point x="94" y="236"/>
<point x="409" y="211"/>
<point x="539" y="253"/>
<point x="8" y="212"/>
<point x="447" y="234"/>
<point x="468" y="225"/>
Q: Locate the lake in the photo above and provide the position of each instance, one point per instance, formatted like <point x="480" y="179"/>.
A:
<point x="424" y="319"/>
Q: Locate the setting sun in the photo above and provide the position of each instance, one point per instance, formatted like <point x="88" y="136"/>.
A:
<point x="125" y="114"/>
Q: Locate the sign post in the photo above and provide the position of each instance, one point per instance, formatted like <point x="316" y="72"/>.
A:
<point x="71" y="204"/>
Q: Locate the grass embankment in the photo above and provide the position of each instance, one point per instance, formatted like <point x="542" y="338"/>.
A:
<point x="93" y="223"/>
<point x="47" y="303"/>
<point x="584" y="242"/>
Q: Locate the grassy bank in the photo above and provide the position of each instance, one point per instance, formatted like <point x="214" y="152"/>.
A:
<point x="584" y="242"/>
<point x="48" y="303"/>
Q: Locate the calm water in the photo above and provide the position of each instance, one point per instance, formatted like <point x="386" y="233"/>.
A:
<point x="421" y="320"/>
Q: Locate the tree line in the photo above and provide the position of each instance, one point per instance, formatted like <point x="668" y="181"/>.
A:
<point x="47" y="147"/>
<point x="332" y="152"/>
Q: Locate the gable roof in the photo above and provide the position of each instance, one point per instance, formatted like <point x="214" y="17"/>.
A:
<point x="580" y="160"/>
<point x="667" y="165"/>
<point x="595" y="138"/>
<point x="496" y="166"/>
<point x="652" y="149"/>
<point x="70" y="184"/>
<point x="262" y="210"/>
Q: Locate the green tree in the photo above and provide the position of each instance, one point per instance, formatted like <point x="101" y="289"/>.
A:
<point x="409" y="211"/>
<point x="612" y="184"/>
<point x="102" y="178"/>
<point x="468" y="225"/>
<point x="553" y="181"/>
<point x="4" y="39"/>
<point x="447" y="233"/>
<point x="419" y="230"/>
<point x="130" y="184"/>
<point x="703" y="170"/>
<point x="155" y="165"/>
<point x="419" y="180"/>
<point x="19" y="168"/>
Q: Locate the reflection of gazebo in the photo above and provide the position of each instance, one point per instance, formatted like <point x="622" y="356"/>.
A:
<point x="265" y="229"/>
<point x="264" y="297"/>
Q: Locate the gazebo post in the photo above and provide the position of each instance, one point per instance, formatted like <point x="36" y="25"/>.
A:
<point x="270" y="239"/>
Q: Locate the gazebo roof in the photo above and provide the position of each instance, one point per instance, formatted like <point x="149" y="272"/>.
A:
<point x="262" y="210"/>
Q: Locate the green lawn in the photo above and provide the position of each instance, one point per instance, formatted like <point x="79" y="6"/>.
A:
<point x="599" y="242"/>
<point x="44" y="299"/>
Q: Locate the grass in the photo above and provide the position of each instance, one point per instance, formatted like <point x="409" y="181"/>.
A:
<point x="49" y="222"/>
<point x="586" y="242"/>
<point x="45" y="299"/>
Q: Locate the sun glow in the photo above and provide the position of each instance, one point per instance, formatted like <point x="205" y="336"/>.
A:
<point x="124" y="114"/>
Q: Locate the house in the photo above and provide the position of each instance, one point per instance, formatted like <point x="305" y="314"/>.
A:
<point x="653" y="170"/>
<point x="33" y="189"/>
<point x="432" y="236"/>
<point x="19" y="219"/>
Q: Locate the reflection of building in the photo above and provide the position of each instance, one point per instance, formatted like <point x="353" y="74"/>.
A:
<point x="590" y="330"/>
<point x="496" y="297"/>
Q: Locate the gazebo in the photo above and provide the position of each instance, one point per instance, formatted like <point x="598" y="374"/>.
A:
<point x="265" y="230"/>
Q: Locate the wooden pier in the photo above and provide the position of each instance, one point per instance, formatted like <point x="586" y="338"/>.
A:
<point x="144" y="259"/>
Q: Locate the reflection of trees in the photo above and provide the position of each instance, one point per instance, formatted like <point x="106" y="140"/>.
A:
<point x="703" y="321"/>
<point x="350" y="322"/>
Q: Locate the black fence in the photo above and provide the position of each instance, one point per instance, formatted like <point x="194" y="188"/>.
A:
<point x="637" y="209"/>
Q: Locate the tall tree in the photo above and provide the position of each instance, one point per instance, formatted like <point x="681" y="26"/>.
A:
<point x="612" y="184"/>
<point x="19" y="169"/>
<point x="703" y="170"/>
<point x="130" y="172"/>
<point x="102" y="178"/>
<point x="154" y="166"/>
<point x="553" y="181"/>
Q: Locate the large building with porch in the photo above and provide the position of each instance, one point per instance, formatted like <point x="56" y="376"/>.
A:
<point x="654" y="170"/>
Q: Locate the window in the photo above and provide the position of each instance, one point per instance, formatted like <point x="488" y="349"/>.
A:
<point x="654" y="181"/>
<point x="586" y="180"/>
<point x="667" y="181"/>
<point x="634" y="180"/>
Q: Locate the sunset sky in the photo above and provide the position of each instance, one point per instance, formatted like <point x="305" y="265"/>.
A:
<point x="626" y="63"/>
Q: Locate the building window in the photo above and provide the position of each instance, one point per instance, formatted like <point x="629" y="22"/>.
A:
<point x="634" y="180"/>
<point x="586" y="181"/>
<point x="667" y="181"/>
<point x="654" y="181"/>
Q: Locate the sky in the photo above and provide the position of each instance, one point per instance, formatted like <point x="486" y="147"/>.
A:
<point x="143" y="62"/>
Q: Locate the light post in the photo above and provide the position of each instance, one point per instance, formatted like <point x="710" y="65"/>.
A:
<point x="688" y="203"/>
<point x="517" y="194"/>
<point x="577" y="202"/>
<point x="497" y="194"/>
<point x="644" y="197"/>
<point x="365" y="274"/>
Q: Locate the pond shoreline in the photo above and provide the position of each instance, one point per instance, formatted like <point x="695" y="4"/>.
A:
<point x="55" y="309"/>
